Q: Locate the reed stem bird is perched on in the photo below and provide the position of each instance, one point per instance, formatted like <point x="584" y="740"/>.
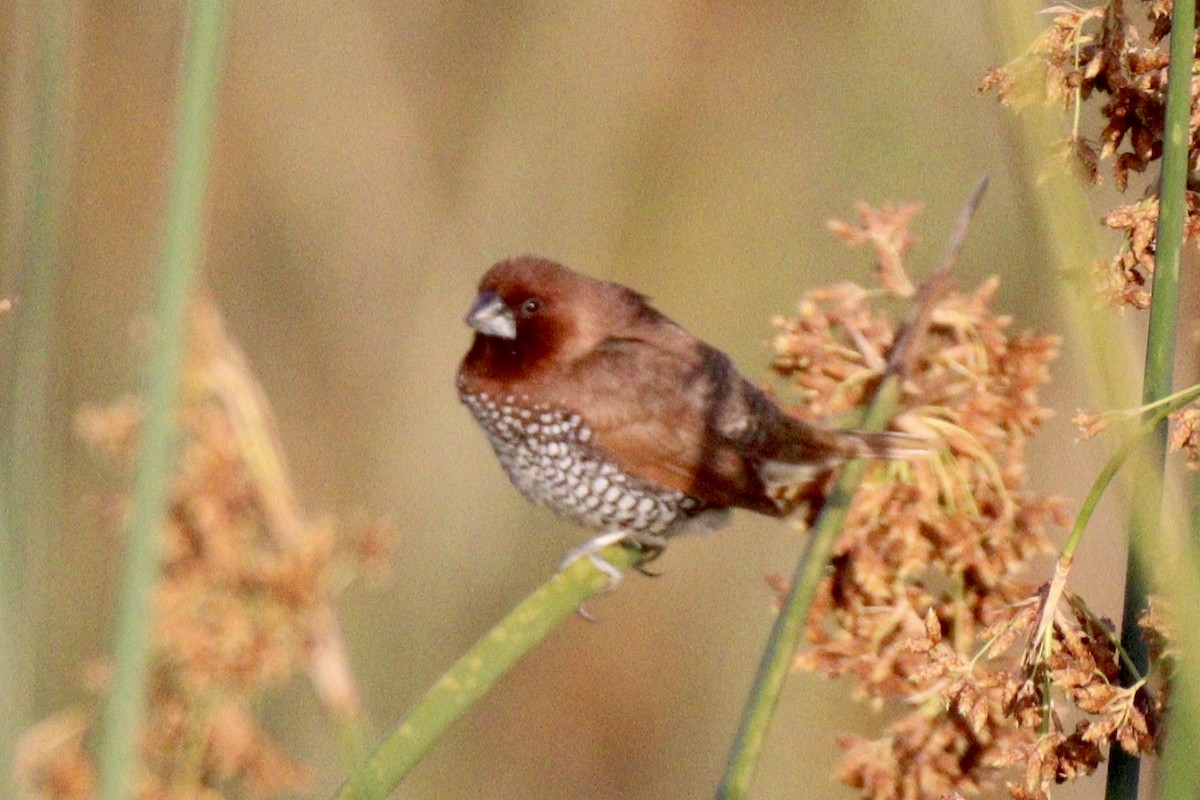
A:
<point x="613" y="416"/>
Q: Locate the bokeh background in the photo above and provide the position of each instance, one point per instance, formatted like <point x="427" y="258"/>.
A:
<point x="372" y="159"/>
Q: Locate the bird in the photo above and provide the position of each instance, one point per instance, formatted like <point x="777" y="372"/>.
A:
<point x="602" y="409"/>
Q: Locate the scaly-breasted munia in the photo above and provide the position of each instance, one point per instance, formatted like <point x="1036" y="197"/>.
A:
<point x="613" y="416"/>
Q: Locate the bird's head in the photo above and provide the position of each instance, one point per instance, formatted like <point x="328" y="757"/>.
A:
<point x="531" y="310"/>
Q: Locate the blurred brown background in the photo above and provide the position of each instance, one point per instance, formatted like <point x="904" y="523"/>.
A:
<point x="373" y="158"/>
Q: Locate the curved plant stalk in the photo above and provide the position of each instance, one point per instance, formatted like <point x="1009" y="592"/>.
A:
<point x="1158" y="413"/>
<point x="470" y="677"/>
<point x="182" y="247"/>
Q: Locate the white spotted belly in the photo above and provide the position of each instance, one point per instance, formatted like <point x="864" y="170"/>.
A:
<point x="547" y="456"/>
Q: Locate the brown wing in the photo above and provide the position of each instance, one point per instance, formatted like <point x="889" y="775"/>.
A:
<point x="672" y="410"/>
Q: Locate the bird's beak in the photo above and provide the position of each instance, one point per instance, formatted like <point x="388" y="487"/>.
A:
<point x="491" y="317"/>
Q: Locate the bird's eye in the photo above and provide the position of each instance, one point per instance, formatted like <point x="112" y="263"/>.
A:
<point x="531" y="307"/>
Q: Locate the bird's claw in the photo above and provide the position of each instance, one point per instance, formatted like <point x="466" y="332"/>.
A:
<point x="591" y="551"/>
<point x="651" y="547"/>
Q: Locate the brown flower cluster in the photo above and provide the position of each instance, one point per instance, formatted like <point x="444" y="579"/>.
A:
<point x="1102" y="52"/>
<point x="927" y="608"/>
<point x="887" y="230"/>
<point x="1185" y="434"/>
<point x="244" y="602"/>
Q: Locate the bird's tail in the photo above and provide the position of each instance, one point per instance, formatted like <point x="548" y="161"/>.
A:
<point x="884" y="445"/>
<point x="794" y="484"/>
<point x="804" y="453"/>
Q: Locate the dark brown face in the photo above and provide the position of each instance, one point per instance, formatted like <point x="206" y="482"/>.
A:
<point x="518" y="325"/>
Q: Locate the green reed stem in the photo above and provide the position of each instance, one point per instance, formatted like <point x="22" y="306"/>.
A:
<point x="28" y="470"/>
<point x="785" y="638"/>
<point x="182" y="249"/>
<point x="1151" y="533"/>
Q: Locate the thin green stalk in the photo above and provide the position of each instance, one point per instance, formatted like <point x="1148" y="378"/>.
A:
<point x="1158" y="413"/>
<point x="1069" y="236"/>
<point x="29" y="480"/>
<point x="1158" y="376"/>
<point x="789" y="629"/>
<point x="182" y="248"/>
<point x="473" y="674"/>
<point x="789" y="625"/>
<point x="785" y="637"/>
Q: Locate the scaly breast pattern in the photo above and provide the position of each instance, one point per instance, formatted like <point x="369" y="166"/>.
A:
<point x="547" y="454"/>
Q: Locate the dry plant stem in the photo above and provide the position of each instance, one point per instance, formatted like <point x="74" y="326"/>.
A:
<point x="233" y="385"/>
<point x="789" y="625"/>
<point x="125" y="709"/>
<point x="936" y="286"/>
<point x="1044" y="631"/>
<point x="473" y="674"/>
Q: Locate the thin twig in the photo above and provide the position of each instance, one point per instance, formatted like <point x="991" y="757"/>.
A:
<point x="908" y="344"/>
<point x="232" y="383"/>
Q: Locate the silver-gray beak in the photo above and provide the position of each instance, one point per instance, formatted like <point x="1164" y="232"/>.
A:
<point x="490" y="316"/>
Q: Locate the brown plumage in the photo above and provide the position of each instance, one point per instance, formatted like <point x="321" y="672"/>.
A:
<point x="612" y="415"/>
